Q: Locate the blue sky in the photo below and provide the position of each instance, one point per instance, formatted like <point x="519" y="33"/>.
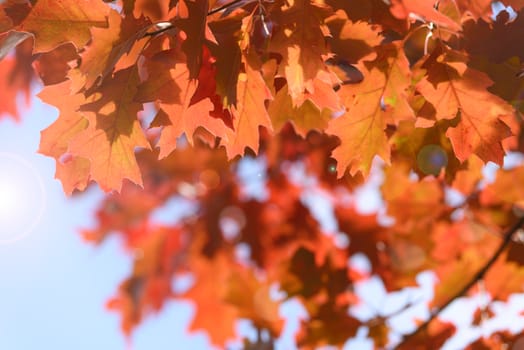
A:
<point x="53" y="287"/>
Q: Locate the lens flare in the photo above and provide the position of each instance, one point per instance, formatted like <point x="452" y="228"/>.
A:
<point x="22" y="198"/>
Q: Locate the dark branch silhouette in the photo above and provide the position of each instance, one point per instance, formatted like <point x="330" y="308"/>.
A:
<point x="477" y="277"/>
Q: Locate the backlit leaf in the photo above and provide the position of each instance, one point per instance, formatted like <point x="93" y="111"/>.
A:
<point x="55" y="22"/>
<point x="113" y="132"/>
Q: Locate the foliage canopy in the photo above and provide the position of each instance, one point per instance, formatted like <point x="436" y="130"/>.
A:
<point x="166" y="99"/>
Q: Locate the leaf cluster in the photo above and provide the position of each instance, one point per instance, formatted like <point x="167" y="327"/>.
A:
<point x="167" y="100"/>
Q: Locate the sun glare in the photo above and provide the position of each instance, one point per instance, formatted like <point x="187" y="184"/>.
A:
<point x="22" y="197"/>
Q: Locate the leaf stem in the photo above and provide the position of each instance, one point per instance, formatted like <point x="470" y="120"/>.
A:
<point x="478" y="276"/>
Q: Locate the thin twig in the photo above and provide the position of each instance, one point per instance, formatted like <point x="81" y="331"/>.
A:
<point x="169" y="26"/>
<point x="478" y="276"/>
<point x="223" y="7"/>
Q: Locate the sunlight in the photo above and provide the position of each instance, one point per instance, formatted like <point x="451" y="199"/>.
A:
<point x="22" y="198"/>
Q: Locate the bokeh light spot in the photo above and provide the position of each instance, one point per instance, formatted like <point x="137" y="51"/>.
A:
<point x="232" y="220"/>
<point x="431" y="159"/>
<point x="210" y="178"/>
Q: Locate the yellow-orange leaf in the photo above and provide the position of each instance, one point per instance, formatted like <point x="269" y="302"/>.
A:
<point x="361" y="129"/>
<point x="54" y="22"/>
<point x="381" y="99"/>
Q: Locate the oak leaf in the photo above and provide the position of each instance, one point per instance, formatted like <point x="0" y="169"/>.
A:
<point x="192" y="19"/>
<point x="302" y="45"/>
<point x="169" y="83"/>
<point x="352" y="40"/>
<point x="72" y="171"/>
<point x="379" y="100"/>
<point x="304" y="118"/>
<point x="457" y="91"/>
<point x="249" y="113"/>
<point x="53" y="66"/>
<point x="55" y="22"/>
<point x="109" y="45"/>
<point x="113" y="133"/>
<point x="361" y="129"/>
<point x="209" y="292"/>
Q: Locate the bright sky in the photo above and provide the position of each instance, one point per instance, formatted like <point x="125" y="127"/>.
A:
<point x="53" y="287"/>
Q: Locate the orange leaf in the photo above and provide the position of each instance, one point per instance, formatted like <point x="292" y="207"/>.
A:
<point x="9" y="91"/>
<point x="168" y="82"/>
<point x="478" y="8"/>
<point x="209" y="294"/>
<point x="379" y="100"/>
<point x="156" y="10"/>
<point x="413" y="203"/>
<point x="192" y="19"/>
<point x="454" y="275"/>
<point x="361" y="128"/>
<point x="302" y="45"/>
<point x="424" y="9"/>
<point x="305" y="118"/>
<point x="253" y="300"/>
<point x="506" y="188"/>
<point x="113" y="133"/>
<point x="55" y="139"/>
<point x="5" y="22"/>
<point x="352" y="40"/>
<point x="109" y="45"/>
<point x="55" y="22"/>
<point x="504" y="278"/>
<point x="455" y="90"/>
<point x="249" y="113"/>
<point x="73" y="172"/>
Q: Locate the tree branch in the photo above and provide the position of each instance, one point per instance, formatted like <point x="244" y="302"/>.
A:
<point x="477" y="277"/>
